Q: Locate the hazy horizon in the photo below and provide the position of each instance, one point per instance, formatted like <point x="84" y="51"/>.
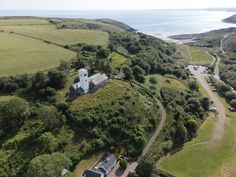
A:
<point x="106" y="5"/>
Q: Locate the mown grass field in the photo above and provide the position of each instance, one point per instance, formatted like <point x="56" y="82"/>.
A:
<point x="199" y="56"/>
<point x="205" y="160"/>
<point x="25" y="55"/>
<point x="27" y="21"/>
<point x="60" y="36"/>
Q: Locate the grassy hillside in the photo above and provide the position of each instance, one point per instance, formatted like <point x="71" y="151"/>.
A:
<point x="97" y="24"/>
<point x="60" y="36"/>
<point x="20" y="55"/>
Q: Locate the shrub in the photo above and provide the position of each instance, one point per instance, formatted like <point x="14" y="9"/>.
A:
<point x="153" y="80"/>
<point x="123" y="164"/>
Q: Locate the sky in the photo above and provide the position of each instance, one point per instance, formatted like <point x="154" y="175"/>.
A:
<point x="111" y="4"/>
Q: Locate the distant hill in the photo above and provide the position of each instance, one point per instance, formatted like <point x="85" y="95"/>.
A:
<point x="231" y="19"/>
<point x="203" y="35"/>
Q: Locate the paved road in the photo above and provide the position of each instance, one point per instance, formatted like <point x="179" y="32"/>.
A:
<point x="218" y="59"/>
<point x="219" y="127"/>
<point x="117" y="172"/>
<point x="217" y="65"/>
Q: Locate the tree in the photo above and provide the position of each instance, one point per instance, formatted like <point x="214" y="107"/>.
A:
<point x="146" y="166"/>
<point x="193" y="85"/>
<point x="51" y="117"/>
<point x="127" y="72"/>
<point x="137" y="70"/>
<point x="123" y="164"/>
<point x="192" y="127"/>
<point x="138" y="73"/>
<point x="12" y="114"/>
<point x="57" y="79"/>
<point x="233" y="103"/>
<point x="64" y="65"/>
<point x="103" y="53"/>
<point x="39" y="81"/>
<point x="48" y="142"/>
<point x="48" y="165"/>
<point x="180" y="135"/>
<point x="153" y="80"/>
<point x="205" y="102"/>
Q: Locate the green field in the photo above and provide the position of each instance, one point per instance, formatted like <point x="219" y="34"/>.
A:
<point x="27" y="21"/>
<point x="5" y="98"/>
<point x="113" y="90"/>
<point x="118" y="60"/>
<point x="199" y="56"/>
<point x="206" y="160"/>
<point x="25" y="55"/>
<point x="60" y="36"/>
<point x="164" y="81"/>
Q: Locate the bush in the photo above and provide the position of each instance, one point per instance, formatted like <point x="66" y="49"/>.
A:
<point x="123" y="164"/>
<point x="153" y="80"/>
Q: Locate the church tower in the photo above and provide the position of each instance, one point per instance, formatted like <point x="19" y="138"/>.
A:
<point x="83" y="76"/>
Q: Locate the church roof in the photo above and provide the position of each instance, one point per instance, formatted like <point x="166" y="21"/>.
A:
<point x="98" y="78"/>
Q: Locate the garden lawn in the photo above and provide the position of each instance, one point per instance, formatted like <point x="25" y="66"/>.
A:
<point x="86" y="164"/>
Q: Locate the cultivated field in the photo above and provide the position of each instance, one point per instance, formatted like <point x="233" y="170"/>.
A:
<point x="199" y="56"/>
<point x="20" y="55"/>
<point x="206" y="160"/>
<point x="60" y="36"/>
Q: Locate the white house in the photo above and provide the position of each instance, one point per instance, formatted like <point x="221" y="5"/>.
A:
<point x="88" y="84"/>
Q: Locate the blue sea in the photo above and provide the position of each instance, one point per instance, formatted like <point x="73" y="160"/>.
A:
<point x="155" y="22"/>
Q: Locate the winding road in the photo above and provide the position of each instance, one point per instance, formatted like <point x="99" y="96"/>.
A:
<point x="117" y="171"/>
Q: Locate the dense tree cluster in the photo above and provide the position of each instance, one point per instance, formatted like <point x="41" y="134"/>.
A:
<point x="226" y="91"/>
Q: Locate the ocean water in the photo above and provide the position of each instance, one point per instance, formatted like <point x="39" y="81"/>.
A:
<point x="155" y="22"/>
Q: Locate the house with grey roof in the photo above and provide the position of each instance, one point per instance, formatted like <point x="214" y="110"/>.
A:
<point x="108" y="164"/>
<point x="88" y="84"/>
<point x="92" y="173"/>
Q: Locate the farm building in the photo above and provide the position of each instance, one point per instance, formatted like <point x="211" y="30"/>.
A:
<point x="88" y="84"/>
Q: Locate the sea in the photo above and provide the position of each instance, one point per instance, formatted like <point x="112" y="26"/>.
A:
<point x="160" y="23"/>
